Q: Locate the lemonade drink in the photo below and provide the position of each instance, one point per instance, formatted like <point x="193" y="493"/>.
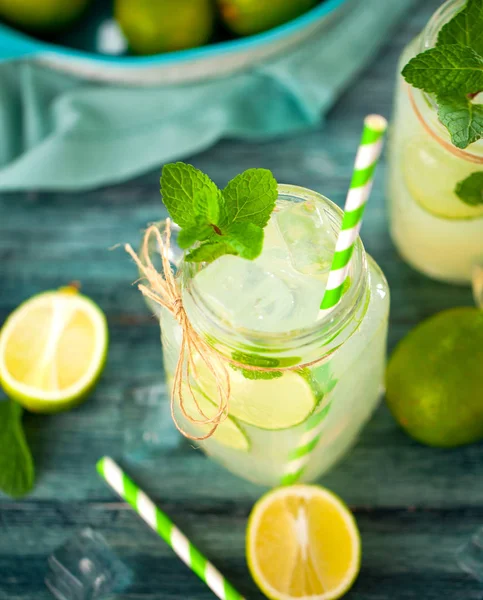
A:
<point x="433" y="229"/>
<point x="265" y="313"/>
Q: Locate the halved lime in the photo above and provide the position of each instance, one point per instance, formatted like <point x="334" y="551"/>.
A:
<point x="228" y="433"/>
<point x="431" y="175"/>
<point x="52" y="350"/>
<point x="277" y="403"/>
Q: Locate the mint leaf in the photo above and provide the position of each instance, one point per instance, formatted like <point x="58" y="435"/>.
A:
<point x="207" y="205"/>
<point x="446" y="70"/>
<point x="462" y="118"/>
<point x="16" y="466"/>
<point x="209" y="251"/>
<point x="466" y="28"/>
<point x="185" y="190"/>
<point x="470" y="190"/>
<point x="249" y="197"/>
<point x="212" y="222"/>
<point x="197" y="233"/>
<point x="246" y="239"/>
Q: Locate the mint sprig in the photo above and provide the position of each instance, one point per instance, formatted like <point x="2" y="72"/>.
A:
<point x="462" y="118"/>
<point x="16" y="466"/>
<point x="470" y="190"/>
<point x="465" y="28"/>
<point x="215" y="222"/>
<point x="453" y="71"/>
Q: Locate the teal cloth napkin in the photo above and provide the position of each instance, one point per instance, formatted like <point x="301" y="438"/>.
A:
<point x="62" y="132"/>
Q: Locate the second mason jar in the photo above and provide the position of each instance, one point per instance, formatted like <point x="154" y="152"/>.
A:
<point x="295" y="423"/>
<point x="433" y="228"/>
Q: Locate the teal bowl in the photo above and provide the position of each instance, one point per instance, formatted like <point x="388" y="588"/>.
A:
<point x="78" y="51"/>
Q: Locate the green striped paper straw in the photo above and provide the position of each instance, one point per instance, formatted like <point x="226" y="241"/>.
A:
<point x="360" y="188"/>
<point x="165" y="528"/>
<point x="299" y="457"/>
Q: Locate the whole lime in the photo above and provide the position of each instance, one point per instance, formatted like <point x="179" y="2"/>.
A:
<point x="43" y="16"/>
<point x="246" y="17"/>
<point x="154" y="26"/>
<point x="434" y="380"/>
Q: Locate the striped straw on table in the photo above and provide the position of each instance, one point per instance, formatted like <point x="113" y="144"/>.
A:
<point x="360" y="188"/>
<point x="164" y="527"/>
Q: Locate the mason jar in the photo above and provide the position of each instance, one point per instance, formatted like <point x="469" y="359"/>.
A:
<point x="434" y="230"/>
<point x="298" y="396"/>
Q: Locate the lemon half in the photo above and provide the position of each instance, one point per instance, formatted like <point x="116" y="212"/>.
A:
<point x="303" y="543"/>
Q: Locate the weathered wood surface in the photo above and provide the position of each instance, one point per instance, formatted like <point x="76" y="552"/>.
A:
<point x="414" y="505"/>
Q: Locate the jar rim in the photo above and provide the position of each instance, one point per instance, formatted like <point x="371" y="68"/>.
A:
<point x="328" y="327"/>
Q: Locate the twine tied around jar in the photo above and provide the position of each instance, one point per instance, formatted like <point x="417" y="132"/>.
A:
<point x="163" y="290"/>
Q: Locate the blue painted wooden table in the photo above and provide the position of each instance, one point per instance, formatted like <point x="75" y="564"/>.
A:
<point x="414" y="505"/>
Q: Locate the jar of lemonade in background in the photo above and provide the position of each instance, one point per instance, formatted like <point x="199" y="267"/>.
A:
<point x="435" y="231"/>
<point x="264" y="313"/>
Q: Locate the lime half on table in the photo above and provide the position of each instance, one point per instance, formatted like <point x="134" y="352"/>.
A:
<point x="52" y="350"/>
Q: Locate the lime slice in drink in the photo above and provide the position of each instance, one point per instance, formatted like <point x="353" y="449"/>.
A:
<point x="52" y="350"/>
<point x="431" y="175"/>
<point x="228" y="433"/>
<point x="277" y="403"/>
<point x="302" y="543"/>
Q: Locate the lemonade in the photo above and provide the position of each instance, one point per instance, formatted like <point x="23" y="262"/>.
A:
<point x="265" y="313"/>
<point x="434" y="229"/>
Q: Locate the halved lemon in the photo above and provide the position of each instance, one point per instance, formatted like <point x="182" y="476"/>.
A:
<point x="277" y="403"/>
<point x="52" y="350"/>
<point x="228" y="433"/>
<point x="303" y="543"/>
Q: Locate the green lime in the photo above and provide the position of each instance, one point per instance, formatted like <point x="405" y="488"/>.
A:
<point x="52" y="350"/>
<point x="246" y="17"/>
<point x="434" y="380"/>
<point x="42" y="15"/>
<point x="277" y="403"/>
<point x="228" y="433"/>
<point x="154" y="27"/>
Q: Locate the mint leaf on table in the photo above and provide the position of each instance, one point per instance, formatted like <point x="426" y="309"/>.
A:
<point x="462" y="118"/>
<point x="215" y="222"/>
<point x="185" y="191"/>
<point x="470" y="190"/>
<point x="446" y="70"/>
<point x="16" y="466"/>
<point x="466" y="28"/>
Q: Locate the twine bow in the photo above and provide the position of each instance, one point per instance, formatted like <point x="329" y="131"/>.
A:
<point x="164" y="290"/>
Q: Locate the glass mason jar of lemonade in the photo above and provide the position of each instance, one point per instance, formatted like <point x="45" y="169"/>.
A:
<point x="263" y="314"/>
<point x="433" y="228"/>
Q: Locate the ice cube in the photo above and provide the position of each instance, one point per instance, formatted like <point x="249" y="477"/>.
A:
<point x="147" y="428"/>
<point x="470" y="556"/>
<point x="308" y="236"/>
<point x="85" y="568"/>
<point x="245" y="294"/>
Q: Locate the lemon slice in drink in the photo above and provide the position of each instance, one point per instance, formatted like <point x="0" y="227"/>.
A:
<point x="431" y="177"/>
<point x="276" y="403"/>
<point x="52" y="350"/>
<point x="228" y="433"/>
<point x="302" y="542"/>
